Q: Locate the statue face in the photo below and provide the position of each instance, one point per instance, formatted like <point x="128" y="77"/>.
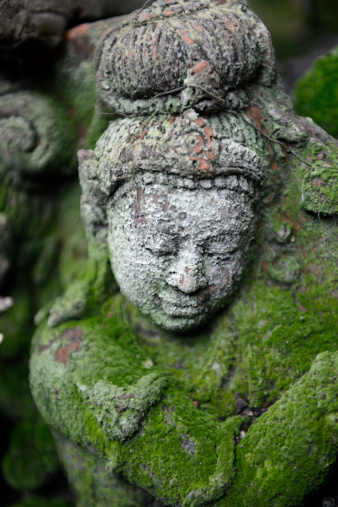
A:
<point x="177" y="253"/>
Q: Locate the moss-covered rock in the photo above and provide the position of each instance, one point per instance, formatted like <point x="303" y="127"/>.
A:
<point x="292" y="446"/>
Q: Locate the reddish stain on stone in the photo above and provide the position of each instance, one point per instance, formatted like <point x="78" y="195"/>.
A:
<point x="199" y="148"/>
<point x="255" y="114"/>
<point x="201" y="67"/>
<point x="74" y="337"/>
<point x="209" y="133"/>
<point x="203" y="165"/>
<point x="199" y="28"/>
<point x="186" y="38"/>
<point x="231" y="27"/>
<point x="301" y="307"/>
<point x="78" y="30"/>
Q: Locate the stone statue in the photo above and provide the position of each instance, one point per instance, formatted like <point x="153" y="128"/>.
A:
<point x="211" y="377"/>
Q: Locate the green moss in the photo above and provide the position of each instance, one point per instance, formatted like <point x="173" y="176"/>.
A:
<point x="319" y="185"/>
<point x="316" y="93"/>
<point x="293" y="445"/>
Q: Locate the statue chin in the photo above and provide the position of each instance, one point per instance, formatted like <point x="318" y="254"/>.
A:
<point x="183" y="318"/>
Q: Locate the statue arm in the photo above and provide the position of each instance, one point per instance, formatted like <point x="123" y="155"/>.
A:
<point x="94" y="392"/>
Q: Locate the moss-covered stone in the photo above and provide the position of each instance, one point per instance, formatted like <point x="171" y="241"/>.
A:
<point x="260" y="347"/>
<point x="293" y="445"/>
<point x="319" y="185"/>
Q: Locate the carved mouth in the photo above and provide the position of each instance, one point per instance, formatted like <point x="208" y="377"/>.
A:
<point x="178" y="310"/>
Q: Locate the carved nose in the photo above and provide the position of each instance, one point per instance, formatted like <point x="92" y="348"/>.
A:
<point x="186" y="273"/>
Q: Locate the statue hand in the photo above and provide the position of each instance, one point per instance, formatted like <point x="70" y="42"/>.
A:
<point x="119" y="410"/>
<point x="69" y="306"/>
<point x="288" y="451"/>
<point x="94" y="282"/>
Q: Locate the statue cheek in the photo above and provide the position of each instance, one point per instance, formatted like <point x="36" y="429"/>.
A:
<point x="219" y="280"/>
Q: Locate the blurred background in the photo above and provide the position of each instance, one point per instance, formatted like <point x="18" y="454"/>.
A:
<point x="302" y="31"/>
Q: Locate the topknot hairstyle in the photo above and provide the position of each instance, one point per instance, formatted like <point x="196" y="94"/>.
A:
<point x="179" y="54"/>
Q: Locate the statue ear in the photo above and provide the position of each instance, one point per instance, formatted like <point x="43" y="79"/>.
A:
<point x="93" y="201"/>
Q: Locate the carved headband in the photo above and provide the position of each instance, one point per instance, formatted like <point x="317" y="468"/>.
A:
<point x="187" y="146"/>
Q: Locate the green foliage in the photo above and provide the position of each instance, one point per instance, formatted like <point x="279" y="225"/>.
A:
<point x="15" y="398"/>
<point x="16" y="324"/>
<point x="316" y="94"/>
<point x="38" y="501"/>
<point x="31" y="458"/>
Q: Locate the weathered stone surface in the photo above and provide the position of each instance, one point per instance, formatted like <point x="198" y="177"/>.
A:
<point x="200" y="207"/>
<point x="27" y="26"/>
<point x="204" y="50"/>
<point x="26" y="21"/>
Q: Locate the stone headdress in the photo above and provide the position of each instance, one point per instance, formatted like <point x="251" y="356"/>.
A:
<point x="180" y="71"/>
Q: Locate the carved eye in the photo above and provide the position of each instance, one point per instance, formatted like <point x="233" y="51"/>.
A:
<point x="221" y="247"/>
<point x="163" y="246"/>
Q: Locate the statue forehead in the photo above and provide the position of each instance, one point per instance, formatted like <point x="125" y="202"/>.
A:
<point x="179" y="213"/>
